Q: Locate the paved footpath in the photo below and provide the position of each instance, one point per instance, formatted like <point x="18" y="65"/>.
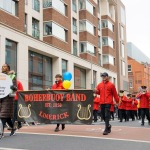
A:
<point x="124" y="136"/>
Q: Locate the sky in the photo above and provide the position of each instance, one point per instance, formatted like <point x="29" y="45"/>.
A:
<point x="138" y="23"/>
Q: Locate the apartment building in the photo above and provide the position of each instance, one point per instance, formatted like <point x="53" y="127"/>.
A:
<point x="139" y="74"/>
<point x="40" y="38"/>
<point x="138" y="68"/>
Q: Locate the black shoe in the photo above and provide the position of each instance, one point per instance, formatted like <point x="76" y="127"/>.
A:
<point x="57" y="129"/>
<point x="105" y="132"/>
<point x="109" y="129"/>
<point x="19" y="126"/>
<point x="120" y="120"/>
<point x="63" y="126"/>
<point x="13" y="132"/>
<point x="142" y="124"/>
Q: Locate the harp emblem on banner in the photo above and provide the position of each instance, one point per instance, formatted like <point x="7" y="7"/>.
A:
<point x="24" y="112"/>
<point x="84" y="113"/>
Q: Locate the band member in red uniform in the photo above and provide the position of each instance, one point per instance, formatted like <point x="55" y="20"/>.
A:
<point x="129" y="107"/>
<point x="122" y="105"/>
<point x="58" y="86"/>
<point x="144" y="96"/>
<point x="107" y="92"/>
<point x="134" y="106"/>
<point x="96" y="106"/>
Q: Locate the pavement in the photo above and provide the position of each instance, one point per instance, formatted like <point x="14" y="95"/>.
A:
<point x="124" y="136"/>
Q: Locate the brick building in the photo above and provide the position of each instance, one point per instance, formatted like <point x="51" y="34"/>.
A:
<point x="40" y="38"/>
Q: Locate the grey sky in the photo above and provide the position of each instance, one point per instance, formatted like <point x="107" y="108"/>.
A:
<point x="138" y="23"/>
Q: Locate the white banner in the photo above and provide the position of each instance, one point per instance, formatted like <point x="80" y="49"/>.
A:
<point x="5" y="84"/>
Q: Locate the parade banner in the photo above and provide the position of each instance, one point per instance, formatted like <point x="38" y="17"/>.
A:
<point x="56" y="106"/>
<point x="5" y="84"/>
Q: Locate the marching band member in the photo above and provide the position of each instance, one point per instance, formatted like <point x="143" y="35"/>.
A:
<point x="129" y="107"/>
<point x="107" y="92"/>
<point x="122" y="105"/>
<point x="144" y="96"/>
<point x="96" y="106"/>
<point x="134" y="106"/>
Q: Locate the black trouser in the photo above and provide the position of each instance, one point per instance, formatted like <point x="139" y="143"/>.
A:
<point x="16" y="113"/>
<point x="145" y="112"/>
<point x="129" y="114"/>
<point x="139" y="113"/>
<point x="7" y="120"/>
<point x="105" y="110"/>
<point x="134" y="112"/>
<point x="59" y="125"/>
<point x="122" y="114"/>
<point x="95" y="115"/>
<point x="112" y="115"/>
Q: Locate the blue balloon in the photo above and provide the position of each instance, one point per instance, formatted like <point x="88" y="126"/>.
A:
<point x="67" y="76"/>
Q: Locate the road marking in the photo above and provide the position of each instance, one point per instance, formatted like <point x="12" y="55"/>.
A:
<point x="88" y="137"/>
<point x="2" y="148"/>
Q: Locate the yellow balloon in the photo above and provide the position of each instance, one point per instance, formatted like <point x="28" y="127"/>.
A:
<point x="66" y="84"/>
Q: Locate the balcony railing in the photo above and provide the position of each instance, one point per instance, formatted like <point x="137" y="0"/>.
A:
<point x="47" y="3"/>
<point x="74" y="7"/>
<point x="75" y="29"/>
<point x="36" y="5"/>
<point x="35" y="33"/>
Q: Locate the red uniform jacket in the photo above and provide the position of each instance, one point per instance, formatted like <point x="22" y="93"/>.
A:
<point x="107" y="92"/>
<point x="129" y="104"/>
<point x="123" y="102"/>
<point x="58" y="86"/>
<point x="112" y="108"/>
<point x="134" y="106"/>
<point x="96" y="103"/>
<point x="20" y="88"/>
<point x="144" y="100"/>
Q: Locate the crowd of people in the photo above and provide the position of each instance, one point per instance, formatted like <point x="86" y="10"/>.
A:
<point x="106" y="102"/>
<point x="130" y="106"/>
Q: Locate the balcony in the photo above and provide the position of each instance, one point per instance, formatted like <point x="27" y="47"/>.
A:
<point x="75" y="29"/>
<point x="47" y="3"/>
<point x="36" y="33"/>
<point x="36" y="5"/>
<point x="74" y="7"/>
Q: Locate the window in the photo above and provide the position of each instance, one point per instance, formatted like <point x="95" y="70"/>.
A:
<point x="99" y="42"/>
<point x="10" y="6"/>
<point x="79" y="78"/>
<point x="108" y="42"/>
<point x="40" y="71"/>
<point x="122" y="33"/>
<point x="11" y="54"/>
<point x="94" y="79"/>
<point x="99" y="24"/>
<point x="87" y="26"/>
<point x="25" y="24"/>
<point x="36" y="5"/>
<point x="114" y="81"/>
<point x="74" y="21"/>
<point x="122" y="50"/>
<point x="35" y="28"/>
<point x="107" y="24"/>
<point x="87" y="47"/>
<point x="125" y="85"/>
<point x="57" y="4"/>
<point x="64" y="66"/>
<point x="74" y="6"/>
<point x="129" y="68"/>
<point x="108" y="59"/>
<point x="50" y="28"/>
<point x="99" y="59"/>
<point x="130" y="83"/>
<point x="123" y="17"/>
<point x="47" y="3"/>
<point x="75" y="51"/>
<point x="123" y="68"/>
